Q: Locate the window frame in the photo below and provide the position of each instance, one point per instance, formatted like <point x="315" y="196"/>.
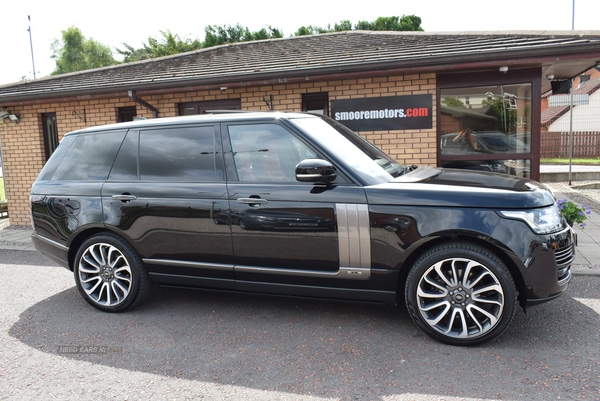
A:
<point x="123" y="113"/>
<point x="319" y="96"/>
<point x="50" y="139"/>
<point x="513" y="77"/>
<point x="202" y="107"/>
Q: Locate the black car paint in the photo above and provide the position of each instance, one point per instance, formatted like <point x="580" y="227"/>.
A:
<point x="172" y="227"/>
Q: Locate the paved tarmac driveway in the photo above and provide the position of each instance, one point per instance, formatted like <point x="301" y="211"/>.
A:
<point x="184" y="344"/>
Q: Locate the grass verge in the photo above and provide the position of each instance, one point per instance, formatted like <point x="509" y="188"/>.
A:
<point x="594" y="160"/>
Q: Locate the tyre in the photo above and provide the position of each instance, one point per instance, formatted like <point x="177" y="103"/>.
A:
<point x="460" y="294"/>
<point x="110" y="274"/>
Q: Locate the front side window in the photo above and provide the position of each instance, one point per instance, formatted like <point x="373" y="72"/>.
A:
<point x="487" y="128"/>
<point x="266" y="152"/>
<point x="181" y="154"/>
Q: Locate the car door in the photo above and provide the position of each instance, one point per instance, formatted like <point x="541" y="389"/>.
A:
<point x="288" y="236"/>
<point x="168" y="201"/>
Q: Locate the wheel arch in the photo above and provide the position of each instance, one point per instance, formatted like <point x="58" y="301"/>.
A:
<point x="492" y="247"/>
<point x="83" y="236"/>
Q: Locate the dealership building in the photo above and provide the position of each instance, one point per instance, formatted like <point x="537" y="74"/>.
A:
<point x="467" y="100"/>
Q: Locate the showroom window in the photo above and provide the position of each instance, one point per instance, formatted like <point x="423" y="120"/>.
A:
<point x="487" y="127"/>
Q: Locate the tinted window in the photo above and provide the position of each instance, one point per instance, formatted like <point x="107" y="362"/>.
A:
<point x="266" y="152"/>
<point x="126" y="163"/>
<point x="54" y="161"/>
<point x="187" y="154"/>
<point x="90" y="157"/>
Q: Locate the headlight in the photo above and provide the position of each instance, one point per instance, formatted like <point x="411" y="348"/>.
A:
<point x="541" y="221"/>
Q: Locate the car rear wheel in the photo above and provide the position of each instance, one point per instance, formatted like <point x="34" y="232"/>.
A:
<point x="460" y="294"/>
<point x="110" y="274"/>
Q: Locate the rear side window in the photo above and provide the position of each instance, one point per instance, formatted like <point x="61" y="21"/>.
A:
<point x="56" y="158"/>
<point x="182" y="154"/>
<point x="90" y="157"/>
<point x="126" y="163"/>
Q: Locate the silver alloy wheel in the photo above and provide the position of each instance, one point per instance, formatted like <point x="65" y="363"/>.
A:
<point x="105" y="274"/>
<point x="460" y="298"/>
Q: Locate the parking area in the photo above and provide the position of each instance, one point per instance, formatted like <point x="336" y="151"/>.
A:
<point x="184" y="344"/>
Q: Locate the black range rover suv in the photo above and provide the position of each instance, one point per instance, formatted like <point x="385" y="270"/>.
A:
<point x="296" y="204"/>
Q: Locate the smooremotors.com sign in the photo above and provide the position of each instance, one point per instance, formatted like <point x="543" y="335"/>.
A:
<point x="384" y="113"/>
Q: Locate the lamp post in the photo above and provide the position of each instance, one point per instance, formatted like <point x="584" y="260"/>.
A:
<point x="31" y="45"/>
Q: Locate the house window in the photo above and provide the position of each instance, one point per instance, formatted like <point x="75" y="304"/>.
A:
<point x="317" y="103"/>
<point x="584" y="78"/>
<point x="50" y="131"/>
<point x="192" y="108"/>
<point x="126" y="114"/>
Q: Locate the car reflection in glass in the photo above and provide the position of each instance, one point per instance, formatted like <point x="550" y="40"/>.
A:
<point x="468" y="142"/>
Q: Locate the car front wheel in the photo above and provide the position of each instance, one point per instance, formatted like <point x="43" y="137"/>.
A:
<point x="460" y="294"/>
<point x="110" y="274"/>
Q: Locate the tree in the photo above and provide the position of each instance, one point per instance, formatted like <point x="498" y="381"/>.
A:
<point x="453" y="102"/>
<point x="74" y="52"/>
<point x="169" y="44"/>
<point x="404" y="23"/>
<point x="219" y="35"/>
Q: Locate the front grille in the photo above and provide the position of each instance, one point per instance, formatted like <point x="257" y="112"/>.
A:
<point x="564" y="258"/>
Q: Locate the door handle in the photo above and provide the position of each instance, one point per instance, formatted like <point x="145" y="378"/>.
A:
<point x="252" y="201"/>
<point x="124" y="197"/>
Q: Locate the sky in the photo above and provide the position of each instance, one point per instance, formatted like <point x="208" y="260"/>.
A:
<point x="113" y="22"/>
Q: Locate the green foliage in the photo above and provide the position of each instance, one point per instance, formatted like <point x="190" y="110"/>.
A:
<point x="591" y="160"/>
<point x="404" y="23"/>
<point x="311" y="30"/>
<point x="167" y="45"/>
<point x="74" y="52"/>
<point x="219" y="35"/>
<point x="452" y="102"/>
<point x="341" y="26"/>
<point x="575" y="215"/>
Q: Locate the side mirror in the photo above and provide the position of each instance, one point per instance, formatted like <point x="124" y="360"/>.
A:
<point x="315" y="170"/>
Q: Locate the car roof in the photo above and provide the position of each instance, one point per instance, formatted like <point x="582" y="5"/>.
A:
<point x="213" y="117"/>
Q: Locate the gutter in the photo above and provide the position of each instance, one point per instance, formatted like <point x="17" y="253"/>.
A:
<point x="133" y="96"/>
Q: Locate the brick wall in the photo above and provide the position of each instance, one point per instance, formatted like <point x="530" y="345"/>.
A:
<point x="23" y="149"/>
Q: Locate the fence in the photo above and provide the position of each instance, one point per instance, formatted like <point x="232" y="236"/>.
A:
<point x="556" y="144"/>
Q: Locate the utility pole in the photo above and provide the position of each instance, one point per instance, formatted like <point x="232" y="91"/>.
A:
<point x="573" y="17"/>
<point x="31" y="45"/>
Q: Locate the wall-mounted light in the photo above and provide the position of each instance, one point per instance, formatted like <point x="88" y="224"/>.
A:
<point x="550" y="77"/>
<point x="503" y="69"/>
<point x="12" y="117"/>
<point x="223" y="89"/>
